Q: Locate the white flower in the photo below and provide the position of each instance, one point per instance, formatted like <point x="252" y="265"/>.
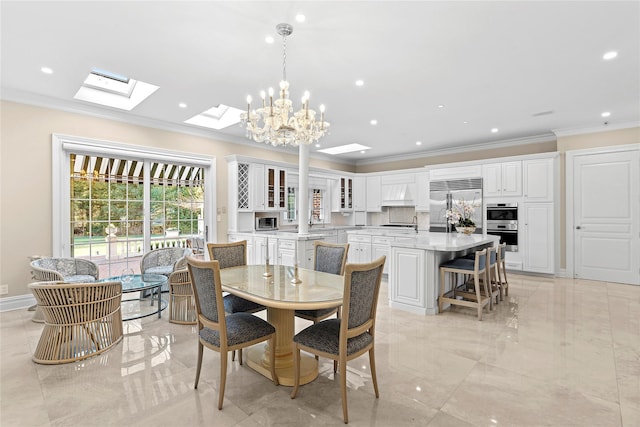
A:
<point x="461" y="214"/>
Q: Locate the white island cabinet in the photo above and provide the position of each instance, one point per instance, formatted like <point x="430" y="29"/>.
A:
<point x="414" y="281"/>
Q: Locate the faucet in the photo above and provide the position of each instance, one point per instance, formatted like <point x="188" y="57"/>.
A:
<point x="414" y="221"/>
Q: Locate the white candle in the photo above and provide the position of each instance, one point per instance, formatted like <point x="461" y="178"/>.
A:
<point x="267" y="251"/>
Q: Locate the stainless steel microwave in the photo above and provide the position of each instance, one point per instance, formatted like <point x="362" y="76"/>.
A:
<point x="266" y="223"/>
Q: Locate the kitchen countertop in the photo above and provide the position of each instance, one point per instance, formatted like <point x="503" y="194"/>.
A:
<point x="447" y="242"/>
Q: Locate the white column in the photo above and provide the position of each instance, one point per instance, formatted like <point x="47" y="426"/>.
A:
<point x="303" y="191"/>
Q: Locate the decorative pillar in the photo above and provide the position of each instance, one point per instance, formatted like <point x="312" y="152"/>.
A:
<point x="303" y="191"/>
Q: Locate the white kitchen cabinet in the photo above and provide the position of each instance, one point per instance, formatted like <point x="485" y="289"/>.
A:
<point x="275" y="187"/>
<point x="374" y="199"/>
<point x="342" y="195"/>
<point x="286" y="252"/>
<point x="407" y="278"/>
<point x="359" y="249"/>
<point x="539" y="179"/>
<point x="380" y="245"/>
<point x="341" y="236"/>
<point x="538" y="238"/>
<point x="239" y="237"/>
<point x="259" y="252"/>
<point x="422" y="192"/>
<point x="456" y="172"/>
<point x="502" y="179"/>
<point x="359" y="193"/>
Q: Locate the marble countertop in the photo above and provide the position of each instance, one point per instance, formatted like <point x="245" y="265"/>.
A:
<point x="447" y="242"/>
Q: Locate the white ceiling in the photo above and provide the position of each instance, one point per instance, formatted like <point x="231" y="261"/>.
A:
<point x="492" y="64"/>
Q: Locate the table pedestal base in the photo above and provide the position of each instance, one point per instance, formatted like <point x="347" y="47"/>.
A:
<point x="284" y="366"/>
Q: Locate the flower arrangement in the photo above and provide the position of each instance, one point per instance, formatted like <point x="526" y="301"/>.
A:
<point x="460" y="215"/>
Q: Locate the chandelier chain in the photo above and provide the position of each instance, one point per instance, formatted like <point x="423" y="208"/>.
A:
<point x="284" y="57"/>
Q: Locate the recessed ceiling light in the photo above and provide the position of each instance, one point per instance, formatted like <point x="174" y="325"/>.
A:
<point x="362" y="152"/>
<point x="269" y="39"/>
<point x="418" y="142"/>
<point x="606" y="114"/>
<point x="609" y="55"/>
<point x="300" y="17"/>
<point x="441" y="106"/>
<point x="46" y="70"/>
<point x="182" y="105"/>
<point x="374" y="122"/>
<point x="317" y="145"/>
<point x="465" y="122"/>
<point x="494" y="130"/>
<point x="359" y="82"/>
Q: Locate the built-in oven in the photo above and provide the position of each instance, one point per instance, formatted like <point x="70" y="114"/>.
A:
<point x="502" y="220"/>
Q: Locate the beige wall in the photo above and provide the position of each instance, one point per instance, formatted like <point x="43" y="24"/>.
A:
<point x="25" y="171"/>
<point x="25" y="175"/>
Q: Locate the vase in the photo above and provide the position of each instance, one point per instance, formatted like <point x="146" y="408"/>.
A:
<point x="466" y="230"/>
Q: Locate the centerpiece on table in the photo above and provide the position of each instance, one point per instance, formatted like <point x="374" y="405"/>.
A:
<point x="460" y="216"/>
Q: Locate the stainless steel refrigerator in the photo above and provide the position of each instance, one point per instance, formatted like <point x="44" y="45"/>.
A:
<point x="445" y="194"/>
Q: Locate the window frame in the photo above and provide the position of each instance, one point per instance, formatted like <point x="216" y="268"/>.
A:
<point x="63" y="145"/>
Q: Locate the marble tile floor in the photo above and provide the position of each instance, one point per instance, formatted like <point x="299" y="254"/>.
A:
<point x="558" y="352"/>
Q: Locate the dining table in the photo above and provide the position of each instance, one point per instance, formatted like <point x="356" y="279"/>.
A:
<point x="282" y="290"/>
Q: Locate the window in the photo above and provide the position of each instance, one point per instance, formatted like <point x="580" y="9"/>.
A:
<point x="104" y="200"/>
<point x="317" y="206"/>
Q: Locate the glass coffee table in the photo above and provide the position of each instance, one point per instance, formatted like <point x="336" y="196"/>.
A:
<point x="137" y="283"/>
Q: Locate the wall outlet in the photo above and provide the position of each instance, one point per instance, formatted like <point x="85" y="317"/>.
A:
<point x="4" y="289"/>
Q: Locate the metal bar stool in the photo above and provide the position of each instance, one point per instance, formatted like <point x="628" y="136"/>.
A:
<point x="460" y="294"/>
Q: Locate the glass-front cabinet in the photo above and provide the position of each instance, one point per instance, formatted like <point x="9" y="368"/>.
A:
<point x="276" y="188"/>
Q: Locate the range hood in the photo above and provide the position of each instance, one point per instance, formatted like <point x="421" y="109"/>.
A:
<point x="397" y="195"/>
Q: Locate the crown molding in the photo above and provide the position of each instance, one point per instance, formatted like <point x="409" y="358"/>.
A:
<point x="73" y="106"/>
<point x="602" y="128"/>
<point x="458" y="150"/>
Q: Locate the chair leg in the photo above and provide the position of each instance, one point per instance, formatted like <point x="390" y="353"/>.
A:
<point x="296" y="370"/>
<point x="233" y="356"/>
<point x="343" y="388"/>
<point x="200" y="348"/>
<point x="272" y="360"/>
<point x="476" y="280"/>
<point x="223" y="377"/>
<point x="506" y="282"/>
<point x="442" y="289"/>
<point x="372" y="365"/>
<point x="335" y="366"/>
<point x="240" y="356"/>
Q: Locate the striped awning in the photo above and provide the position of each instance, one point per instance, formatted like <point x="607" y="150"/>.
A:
<point x="132" y="171"/>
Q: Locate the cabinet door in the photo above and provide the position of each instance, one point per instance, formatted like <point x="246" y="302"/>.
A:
<point x="359" y="195"/>
<point x="257" y="190"/>
<point x="377" y="251"/>
<point x="286" y="257"/>
<point x="538" y="253"/>
<point x="270" y="180"/>
<point x="374" y="203"/>
<point x="539" y="178"/>
<point x="492" y="179"/>
<point x="282" y="189"/>
<point x="512" y="178"/>
<point x="407" y="280"/>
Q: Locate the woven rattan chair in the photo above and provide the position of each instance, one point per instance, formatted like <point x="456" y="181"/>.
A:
<point x="221" y="331"/>
<point x="328" y="258"/>
<point x="182" y="308"/>
<point x="350" y="336"/>
<point x="80" y="320"/>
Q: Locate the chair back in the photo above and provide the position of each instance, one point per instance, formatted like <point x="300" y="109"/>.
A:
<point x="60" y="269"/>
<point x="502" y="247"/>
<point x="207" y="290"/>
<point x="492" y="255"/>
<point x="361" y="289"/>
<point x="330" y="257"/>
<point x="228" y="254"/>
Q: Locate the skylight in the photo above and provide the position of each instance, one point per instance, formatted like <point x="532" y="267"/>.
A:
<point x="217" y="118"/>
<point x="342" y="149"/>
<point x="113" y="90"/>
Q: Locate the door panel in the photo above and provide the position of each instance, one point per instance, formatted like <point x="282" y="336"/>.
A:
<point x="606" y="215"/>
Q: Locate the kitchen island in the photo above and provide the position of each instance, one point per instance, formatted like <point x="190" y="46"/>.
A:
<point x="414" y="278"/>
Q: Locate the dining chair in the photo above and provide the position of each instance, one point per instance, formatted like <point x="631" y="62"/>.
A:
<point x="350" y="336"/>
<point x="233" y="254"/>
<point x="328" y="258"/>
<point x="221" y="331"/>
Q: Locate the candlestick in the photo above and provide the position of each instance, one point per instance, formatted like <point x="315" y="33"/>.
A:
<point x="266" y="273"/>
<point x="295" y="267"/>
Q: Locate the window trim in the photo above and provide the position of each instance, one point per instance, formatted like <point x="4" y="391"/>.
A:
<point x="62" y="145"/>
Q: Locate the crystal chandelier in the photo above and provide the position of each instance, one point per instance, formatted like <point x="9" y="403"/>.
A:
<point x="275" y="122"/>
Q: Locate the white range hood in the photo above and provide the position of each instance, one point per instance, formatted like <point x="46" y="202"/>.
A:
<point x="397" y="195"/>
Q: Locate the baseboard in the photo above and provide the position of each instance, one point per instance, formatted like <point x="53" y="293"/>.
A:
<point x="16" y="303"/>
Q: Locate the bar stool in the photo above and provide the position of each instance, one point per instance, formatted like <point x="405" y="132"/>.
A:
<point x="493" y="276"/>
<point x="502" y="270"/>
<point x="460" y="295"/>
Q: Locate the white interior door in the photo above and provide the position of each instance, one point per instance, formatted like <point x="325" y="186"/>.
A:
<point x="606" y="213"/>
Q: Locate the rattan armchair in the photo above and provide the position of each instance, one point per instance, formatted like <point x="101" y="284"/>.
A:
<point x="81" y="320"/>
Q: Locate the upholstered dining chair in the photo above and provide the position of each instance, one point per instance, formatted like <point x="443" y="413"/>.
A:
<point x="350" y="336"/>
<point x="80" y="320"/>
<point x="328" y="258"/>
<point x="221" y="331"/>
